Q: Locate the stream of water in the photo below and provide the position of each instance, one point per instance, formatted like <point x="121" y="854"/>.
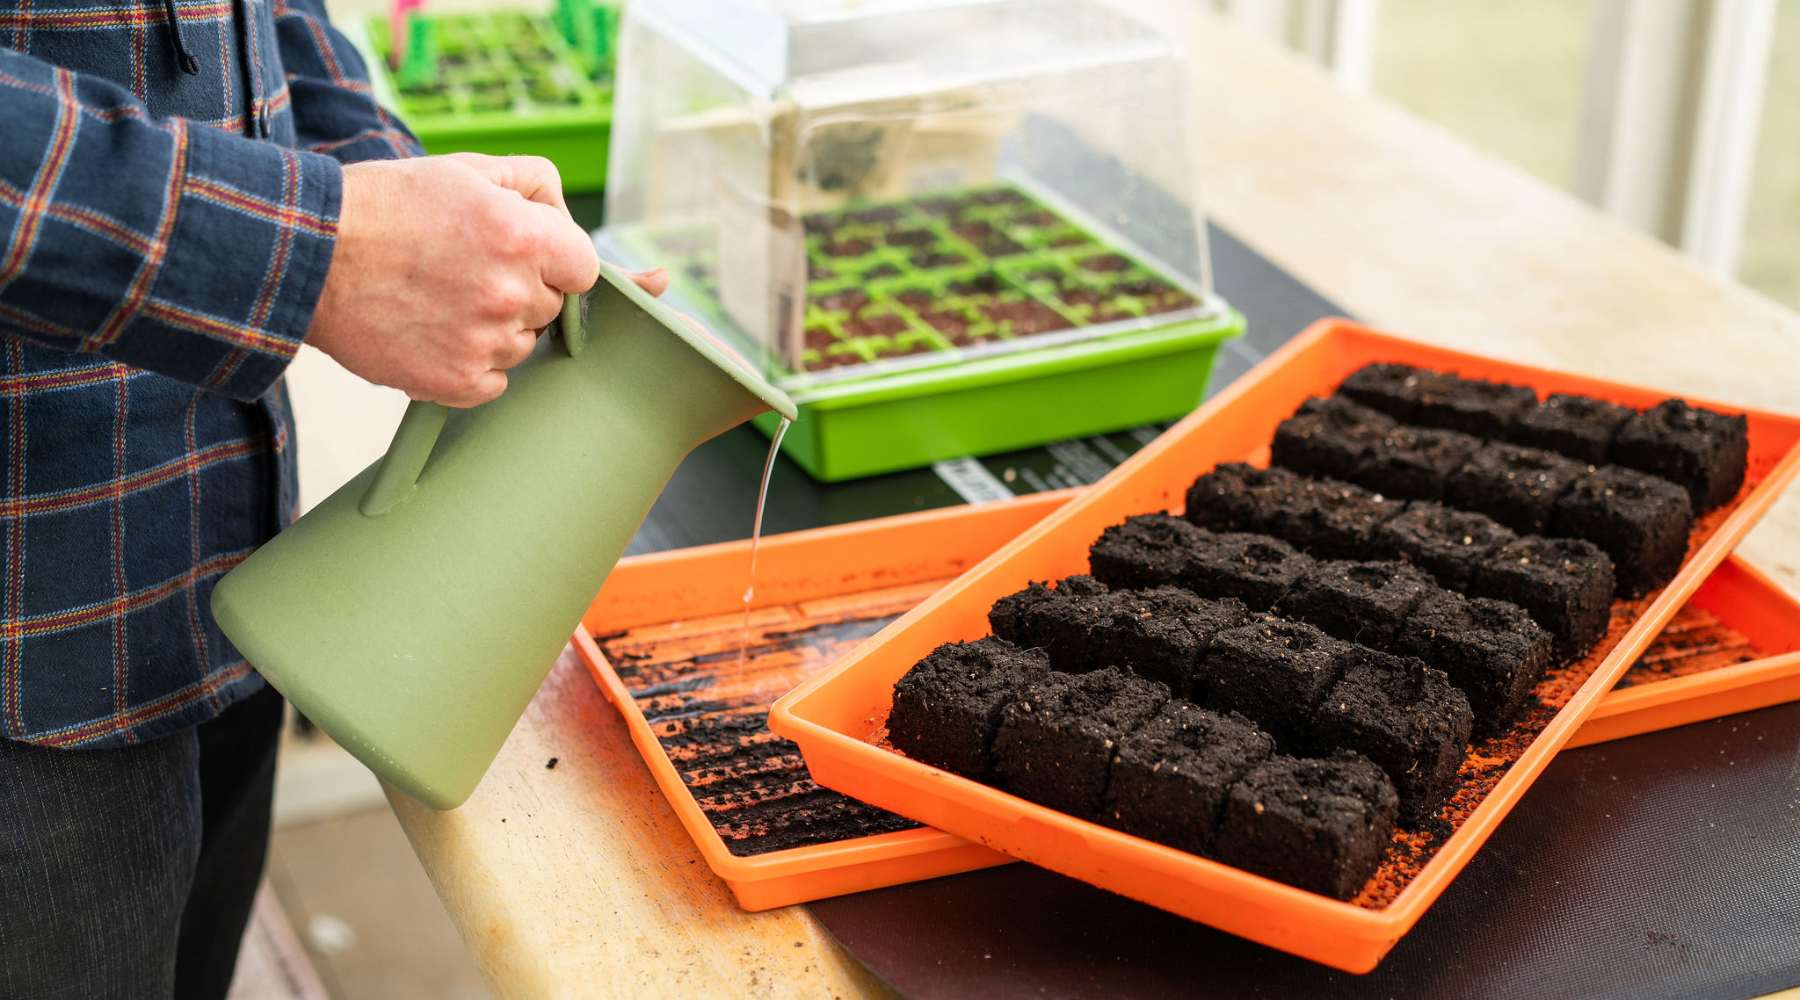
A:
<point x="762" y="497"/>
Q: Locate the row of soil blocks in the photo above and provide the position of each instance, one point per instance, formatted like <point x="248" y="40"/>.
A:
<point x="510" y="63"/>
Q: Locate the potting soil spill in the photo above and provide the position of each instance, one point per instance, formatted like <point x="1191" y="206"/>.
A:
<point x="762" y="497"/>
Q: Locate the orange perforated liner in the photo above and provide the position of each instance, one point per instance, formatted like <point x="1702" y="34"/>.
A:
<point x="704" y="687"/>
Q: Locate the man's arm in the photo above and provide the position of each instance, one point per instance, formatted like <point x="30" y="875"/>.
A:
<point x="328" y="86"/>
<point x="179" y="249"/>
<point x="208" y="257"/>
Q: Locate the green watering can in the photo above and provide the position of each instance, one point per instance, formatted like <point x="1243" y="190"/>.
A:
<point x="415" y="612"/>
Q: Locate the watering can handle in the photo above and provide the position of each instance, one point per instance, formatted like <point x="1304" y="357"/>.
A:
<point x="419" y="428"/>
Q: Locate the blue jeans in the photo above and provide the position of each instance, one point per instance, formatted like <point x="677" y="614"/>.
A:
<point x="131" y="872"/>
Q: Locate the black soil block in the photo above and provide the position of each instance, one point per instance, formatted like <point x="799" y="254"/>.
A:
<point x="1171" y="775"/>
<point x="1513" y="484"/>
<point x="1564" y="584"/>
<point x="948" y="706"/>
<point x="1406" y="717"/>
<point x="1329" y="437"/>
<point x="1440" y="399"/>
<point x="1056" y="740"/>
<point x="1161" y="633"/>
<point x="1414" y="463"/>
<point x="1148" y="550"/>
<point x="1445" y="542"/>
<point x="1364" y="602"/>
<point x="1321" y="825"/>
<point x="1325" y="517"/>
<point x="1641" y="521"/>
<point x="1702" y="451"/>
<point x="1239" y="497"/>
<point x="1395" y="390"/>
<point x="1273" y="671"/>
<point x="1254" y="568"/>
<point x="1580" y="427"/>
<point x="1491" y="649"/>
<point x="1473" y="406"/>
<point x="1056" y="620"/>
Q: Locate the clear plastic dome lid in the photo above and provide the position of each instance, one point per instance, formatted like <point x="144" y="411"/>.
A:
<point x="851" y="188"/>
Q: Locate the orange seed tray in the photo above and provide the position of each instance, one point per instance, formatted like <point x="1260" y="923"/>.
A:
<point x="838" y="717"/>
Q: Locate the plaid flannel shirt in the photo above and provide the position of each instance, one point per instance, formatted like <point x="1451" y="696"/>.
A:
<point x="169" y="189"/>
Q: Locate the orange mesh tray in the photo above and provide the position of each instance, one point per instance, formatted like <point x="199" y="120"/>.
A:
<point x="838" y="717"/>
<point x="693" y="685"/>
<point x="1734" y="647"/>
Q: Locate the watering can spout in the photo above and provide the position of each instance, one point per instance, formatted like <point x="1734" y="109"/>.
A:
<point x="414" y="612"/>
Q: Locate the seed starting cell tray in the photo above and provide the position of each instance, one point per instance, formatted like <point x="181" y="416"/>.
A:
<point x="673" y="656"/>
<point x="838" y="718"/>
<point x="966" y="322"/>
<point x="504" y="82"/>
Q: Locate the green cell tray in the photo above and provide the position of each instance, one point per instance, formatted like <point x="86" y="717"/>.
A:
<point x="940" y="291"/>
<point x="507" y="82"/>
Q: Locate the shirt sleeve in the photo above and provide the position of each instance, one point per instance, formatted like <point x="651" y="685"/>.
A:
<point x="335" y="112"/>
<point x="180" y="249"/>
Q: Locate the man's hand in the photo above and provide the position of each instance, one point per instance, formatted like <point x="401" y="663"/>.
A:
<point x="445" y="269"/>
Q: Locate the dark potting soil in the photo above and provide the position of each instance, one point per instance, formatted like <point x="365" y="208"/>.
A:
<point x="1058" y="620"/>
<point x="1106" y="263"/>
<point x="1328" y="437"/>
<point x="1641" y="521"/>
<point x="909" y="237"/>
<point x="874" y="326"/>
<point x="1376" y="669"/>
<point x="948" y="706"/>
<point x="1056" y="739"/>
<point x="1163" y="633"/>
<point x="1414" y="463"/>
<point x="1513" y="484"/>
<point x="1700" y="450"/>
<point x="1025" y="318"/>
<point x="1492" y="650"/>
<point x="1364" y="602"/>
<point x="1580" y="427"/>
<point x="1172" y="774"/>
<point x="1564" y="584"/>
<point x="1274" y="671"/>
<point x="849" y="301"/>
<point x="1321" y="825"/>
<point x="1146" y="550"/>
<point x="1406" y="717"/>
<point x="1445" y="542"/>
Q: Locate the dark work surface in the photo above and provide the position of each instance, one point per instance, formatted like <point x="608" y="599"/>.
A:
<point x="1667" y="865"/>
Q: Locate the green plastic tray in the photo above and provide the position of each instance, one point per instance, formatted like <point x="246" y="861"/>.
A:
<point x="505" y="82"/>
<point x="943" y="288"/>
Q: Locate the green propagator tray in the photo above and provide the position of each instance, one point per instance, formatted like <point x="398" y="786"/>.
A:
<point x="966" y="323"/>
<point x="504" y="83"/>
